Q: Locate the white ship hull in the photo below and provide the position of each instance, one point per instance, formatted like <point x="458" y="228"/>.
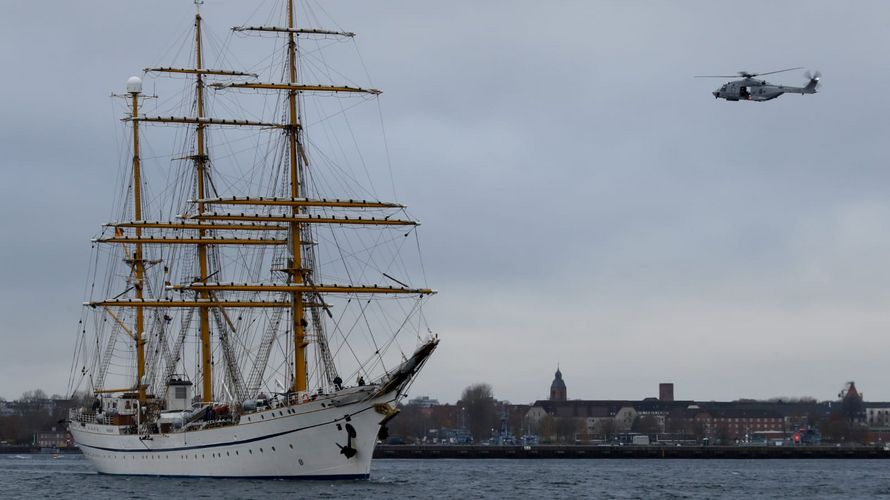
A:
<point x="149" y="418"/>
<point x="300" y="442"/>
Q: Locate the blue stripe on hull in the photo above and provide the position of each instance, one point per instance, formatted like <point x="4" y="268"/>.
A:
<point x="316" y="477"/>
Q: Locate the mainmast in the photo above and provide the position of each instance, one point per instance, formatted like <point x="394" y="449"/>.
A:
<point x="200" y="172"/>
<point x="300" y="381"/>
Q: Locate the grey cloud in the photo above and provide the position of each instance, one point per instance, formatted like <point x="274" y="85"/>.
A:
<point x="584" y="199"/>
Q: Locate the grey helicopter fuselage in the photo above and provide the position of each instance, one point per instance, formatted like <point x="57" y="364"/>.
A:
<point x="750" y="89"/>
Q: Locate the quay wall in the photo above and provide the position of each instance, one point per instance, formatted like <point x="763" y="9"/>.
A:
<point x="651" y="452"/>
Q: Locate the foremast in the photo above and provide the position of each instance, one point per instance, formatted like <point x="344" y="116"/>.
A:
<point x="134" y="88"/>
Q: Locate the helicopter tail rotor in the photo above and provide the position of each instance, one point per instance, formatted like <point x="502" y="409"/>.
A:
<point x="814" y="81"/>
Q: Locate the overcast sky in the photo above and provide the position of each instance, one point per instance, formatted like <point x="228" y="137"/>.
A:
<point x="584" y="200"/>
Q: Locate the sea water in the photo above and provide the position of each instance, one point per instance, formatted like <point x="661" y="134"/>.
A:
<point x="71" y="476"/>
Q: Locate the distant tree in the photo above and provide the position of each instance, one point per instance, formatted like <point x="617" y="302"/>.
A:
<point x="547" y="429"/>
<point x="566" y="428"/>
<point x="82" y="399"/>
<point x="15" y="429"/>
<point x="31" y="396"/>
<point x="793" y="400"/>
<point x="516" y="421"/>
<point x="480" y="409"/>
<point x="834" y="430"/>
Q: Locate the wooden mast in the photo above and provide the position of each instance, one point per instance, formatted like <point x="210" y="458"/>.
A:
<point x="300" y="382"/>
<point x="200" y="173"/>
<point x="134" y="88"/>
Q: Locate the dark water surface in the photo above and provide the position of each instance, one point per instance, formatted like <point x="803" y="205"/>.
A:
<point x="40" y="476"/>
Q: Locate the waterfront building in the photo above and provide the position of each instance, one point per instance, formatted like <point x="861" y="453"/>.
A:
<point x="877" y="415"/>
<point x="666" y="392"/>
<point x="52" y="439"/>
<point x="720" y="421"/>
<point x="558" y="388"/>
<point x="423" y="402"/>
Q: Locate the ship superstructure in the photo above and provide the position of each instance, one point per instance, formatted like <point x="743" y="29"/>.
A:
<point x="226" y="299"/>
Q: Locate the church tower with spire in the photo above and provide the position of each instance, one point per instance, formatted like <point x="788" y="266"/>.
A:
<point x="558" y="387"/>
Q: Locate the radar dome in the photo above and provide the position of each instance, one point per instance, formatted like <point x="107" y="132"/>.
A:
<point x="134" y="84"/>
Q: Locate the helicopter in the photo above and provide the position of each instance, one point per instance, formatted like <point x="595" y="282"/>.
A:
<point x="751" y="89"/>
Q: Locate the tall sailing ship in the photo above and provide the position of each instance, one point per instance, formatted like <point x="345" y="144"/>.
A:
<point x="250" y="304"/>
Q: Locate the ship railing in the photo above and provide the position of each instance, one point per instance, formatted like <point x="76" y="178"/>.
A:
<point x="81" y="415"/>
<point x="301" y="397"/>
<point x="220" y="421"/>
<point x="280" y="401"/>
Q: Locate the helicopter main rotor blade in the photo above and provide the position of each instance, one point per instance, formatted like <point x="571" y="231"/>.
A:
<point x="715" y="76"/>
<point x="777" y="71"/>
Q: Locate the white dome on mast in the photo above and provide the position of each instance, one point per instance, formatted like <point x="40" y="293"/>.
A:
<point x="134" y="85"/>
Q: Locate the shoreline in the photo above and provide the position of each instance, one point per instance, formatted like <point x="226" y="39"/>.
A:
<point x="33" y="450"/>
<point x="471" y="452"/>
<point x="641" y="452"/>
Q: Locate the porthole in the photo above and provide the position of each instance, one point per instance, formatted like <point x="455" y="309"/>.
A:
<point x="250" y="451"/>
<point x="273" y="448"/>
<point x="291" y="446"/>
<point x="227" y="454"/>
<point x="236" y="452"/>
<point x="261" y="450"/>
